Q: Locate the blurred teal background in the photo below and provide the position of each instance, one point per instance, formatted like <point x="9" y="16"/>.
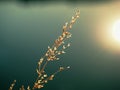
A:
<point x="26" y="29"/>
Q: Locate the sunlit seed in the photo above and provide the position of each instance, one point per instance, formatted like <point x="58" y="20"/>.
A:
<point x="41" y="59"/>
<point x="37" y="71"/>
<point x="63" y="42"/>
<point x="68" y="44"/>
<point x="70" y="26"/>
<point x="59" y="53"/>
<point x="50" y="50"/>
<point x="48" y="47"/>
<point x="60" y="36"/>
<point x="40" y="86"/>
<point x="68" y="67"/>
<point x="39" y="63"/>
<point x="12" y="85"/>
<point x="51" y="77"/>
<point x="48" y="59"/>
<point x="78" y="16"/>
<point x="46" y="54"/>
<point x="61" y="68"/>
<point x="57" y="58"/>
<point x="28" y="88"/>
<point x="70" y="35"/>
<point x="64" y="27"/>
<point x="55" y="48"/>
<point x="42" y="77"/>
<point x="72" y="17"/>
<point x="63" y="51"/>
<point x="45" y="75"/>
<point x="64" y="47"/>
<point x="66" y="23"/>
<point x="39" y="81"/>
<point x="46" y="81"/>
<point x="63" y="34"/>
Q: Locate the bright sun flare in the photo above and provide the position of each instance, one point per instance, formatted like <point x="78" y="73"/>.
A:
<point x="116" y="31"/>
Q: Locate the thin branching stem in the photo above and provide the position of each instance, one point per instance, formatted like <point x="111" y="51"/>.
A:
<point x="51" y="55"/>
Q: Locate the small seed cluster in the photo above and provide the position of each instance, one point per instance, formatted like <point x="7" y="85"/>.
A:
<point x="52" y="54"/>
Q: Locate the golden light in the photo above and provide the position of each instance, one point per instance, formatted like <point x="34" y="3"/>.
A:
<point x="107" y="28"/>
<point x="116" y="31"/>
<point x="108" y="35"/>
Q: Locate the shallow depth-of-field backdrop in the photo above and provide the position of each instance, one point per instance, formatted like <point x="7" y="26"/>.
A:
<point x="27" y="27"/>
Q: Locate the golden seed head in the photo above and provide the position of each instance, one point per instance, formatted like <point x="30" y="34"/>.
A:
<point x="51" y="54"/>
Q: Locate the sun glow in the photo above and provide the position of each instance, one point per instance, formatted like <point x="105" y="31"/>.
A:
<point x="116" y="31"/>
<point x="108" y="35"/>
